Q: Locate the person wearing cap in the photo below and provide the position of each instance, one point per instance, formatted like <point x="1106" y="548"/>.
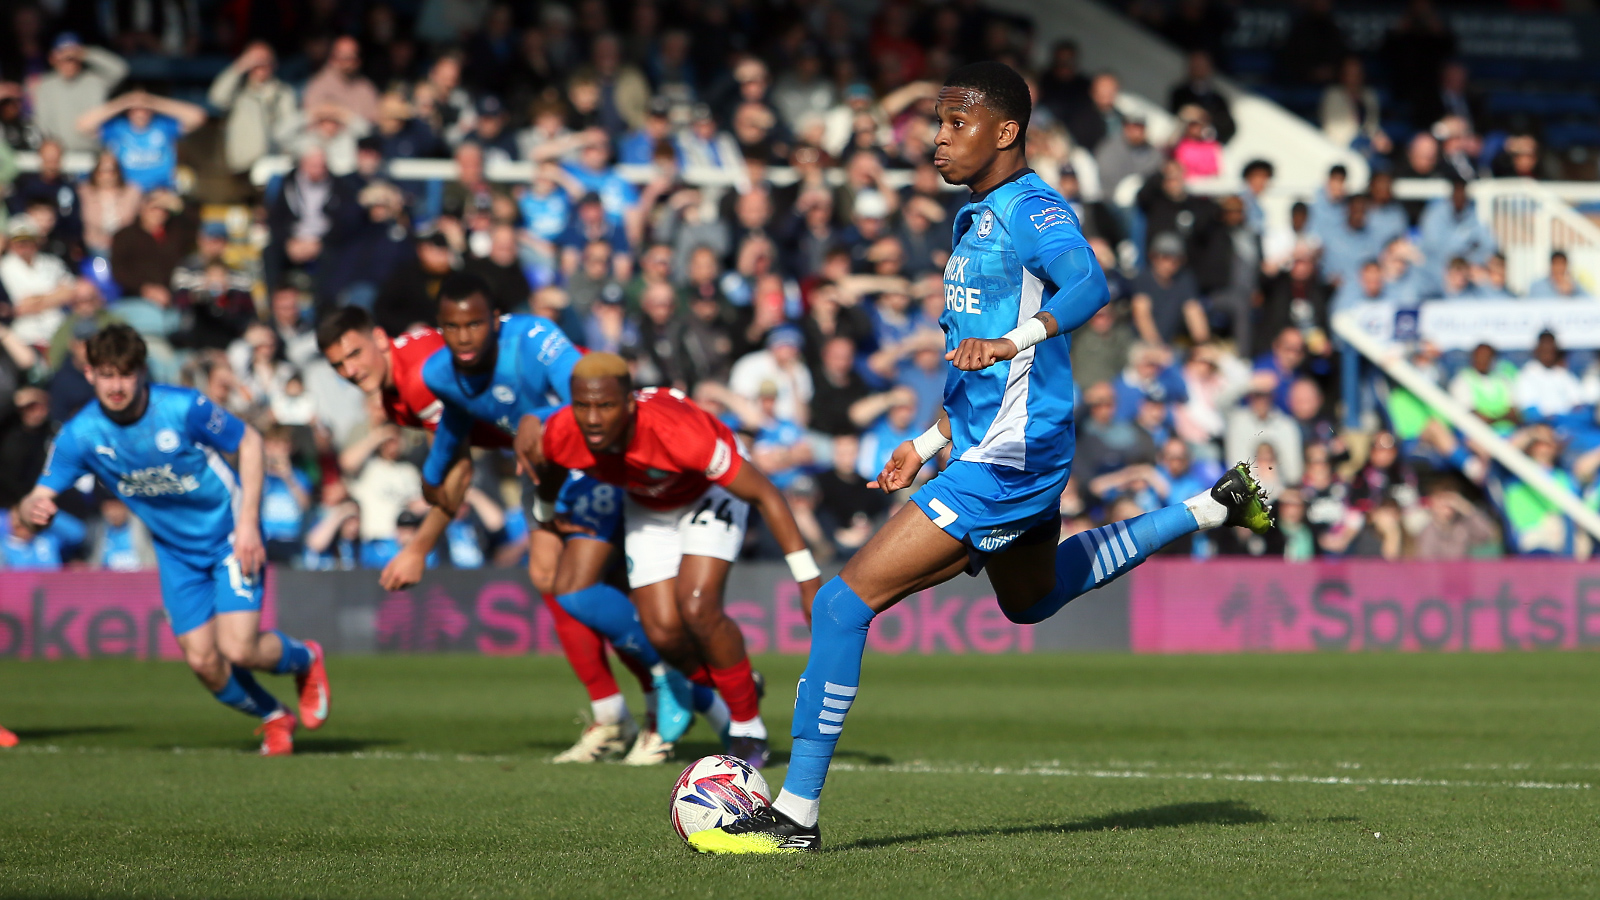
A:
<point x="782" y="364"/>
<point x="143" y="129"/>
<point x="80" y="79"/>
<point x="145" y="253"/>
<point x="1166" y="299"/>
<point x="38" y="283"/>
<point x="638" y="147"/>
<point x="490" y="133"/>
<point x="260" y="108"/>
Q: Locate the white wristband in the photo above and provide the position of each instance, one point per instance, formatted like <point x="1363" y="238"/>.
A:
<point x="929" y="442"/>
<point x="543" y="510"/>
<point x="802" y="565"/>
<point x="1027" y="334"/>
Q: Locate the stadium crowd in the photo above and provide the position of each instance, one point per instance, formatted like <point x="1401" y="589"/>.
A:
<point x="680" y="211"/>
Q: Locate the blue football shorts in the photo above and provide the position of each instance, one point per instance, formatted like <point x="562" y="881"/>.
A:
<point x="593" y="504"/>
<point x="989" y="508"/>
<point x="194" y="592"/>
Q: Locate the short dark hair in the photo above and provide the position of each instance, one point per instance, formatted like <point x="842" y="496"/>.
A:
<point x="1559" y="254"/>
<point x="1258" y="165"/>
<point x="340" y="322"/>
<point x="117" y="345"/>
<point x="1339" y="170"/>
<point x="1002" y="88"/>
<point x="458" y="286"/>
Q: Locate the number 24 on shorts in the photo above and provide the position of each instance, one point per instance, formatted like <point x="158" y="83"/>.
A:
<point x="704" y="513"/>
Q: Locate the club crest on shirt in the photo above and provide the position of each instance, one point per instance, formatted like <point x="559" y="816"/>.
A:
<point x="986" y="224"/>
<point x="166" y="440"/>
<point x="504" y="394"/>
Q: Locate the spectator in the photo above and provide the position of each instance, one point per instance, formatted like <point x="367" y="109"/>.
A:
<point x="1537" y="526"/>
<point x="1519" y="158"/>
<point x="838" y="387"/>
<point x="17" y="131"/>
<point x="447" y="107"/>
<point x="81" y="78"/>
<point x="1166" y="300"/>
<point x="1198" y="149"/>
<point x="1280" y="246"/>
<point x="638" y="147"/>
<point x="1329" y="204"/>
<point x="1488" y="388"/>
<point x="1314" y="46"/>
<point x="896" y="425"/>
<point x="1368" y="287"/>
<point x="146" y="253"/>
<point x="334" y="541"/>
<point x="500" y="268"/>
<point x="118" y="541"/>
<point x="1349" y="113"/>
<point x="1310" y="411"/>
<point x="1405" y="282"/>
<point x="650" y="343"/>
<point x="1547" y="391"/>
<point x="69" y="388"/>
<point x="1457" y="283"/>
<point x="779" y="448"/>
<point x="285" y="497"/>
<point x="1090" y="120"/>
<point x="110" y="204"/>
<point x="310" y="202"/>
<point x="1106" y="445"/>
<point x="401" y="133"/>
<point x="1559" y="284"/>
<point x="1199" y="89"/>
<point x="703" y="146"/>
<point x="341" y="84"/>
<point x="1127" y="154"/>
<point x="782" y="364"/>
<point x="849" y="510"/>
<point x="1061" y="86"/>
<point x="1257" y="176"/>
<point x="801" y="93"/>
<point x="261" y="109"/>
<point x="1148" y="376"/>
<point x="38" y="284"/>
<point x="1489" y="279"/>
<point x="1452" y="97"/>
<point x="1170" y="208"/>
<point x="142" y="131"/>
<point x="26" y="547"/>
<point x="1100" y="347"/>
<point x="1347" y="246"/>
<point x="1385" y="216"/>
<point x="702" y="342"/>
<point x="491" y="133"/>
<point x="25" y="434"/>
<point x="410" y="295"/>
<point x="1456" y="529"/>
<point x="1298" y="538"/>
<point x="1260" y="421"/>
<point x="625" y="94"/>
<point x="1298" y="298"/>
<point x="384" y="483"/>
<point x="52" y="186"/>
<point x="1450" y="227"/>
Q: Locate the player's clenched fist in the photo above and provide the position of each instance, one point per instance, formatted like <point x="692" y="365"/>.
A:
<point x="39" y="510"/>
<point x="973" y="354"/>
<point x="899" y="471"/>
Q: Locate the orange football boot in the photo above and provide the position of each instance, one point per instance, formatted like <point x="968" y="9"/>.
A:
<point x="313" y="687"/>
<point x="7" y="739"/>
<point x="277" y="734"/>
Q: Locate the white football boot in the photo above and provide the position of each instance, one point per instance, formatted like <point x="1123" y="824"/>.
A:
<point x="649" y="750"/>
<point x="600" y="742"/>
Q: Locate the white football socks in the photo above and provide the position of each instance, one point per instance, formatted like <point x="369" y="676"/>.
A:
<point x="754" y="728"/>
<point x="612" y="710"/>
<point x="718" y="716"/>
<point x="1208" y="513"/>
<point x="797" y="808"/>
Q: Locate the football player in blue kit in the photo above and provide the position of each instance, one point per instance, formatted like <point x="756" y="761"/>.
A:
<point x="513" y="372"/>
<point x="1021" y="277"/>
<point x="159" y="448"/>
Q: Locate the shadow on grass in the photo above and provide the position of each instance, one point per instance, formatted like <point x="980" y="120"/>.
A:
<point x="45" y="734"/>
<point x="1174" y="815"/>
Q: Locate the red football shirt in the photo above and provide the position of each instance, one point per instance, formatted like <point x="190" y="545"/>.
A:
<point x="409" y="403"/>
<point x="678" y="450"/>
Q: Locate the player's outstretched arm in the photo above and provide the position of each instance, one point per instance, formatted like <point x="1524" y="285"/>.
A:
<point x="248" y="549"/>
<point x="408" y="565"/>
<point x="753" y="487"/>
<point x="39" y="507"/>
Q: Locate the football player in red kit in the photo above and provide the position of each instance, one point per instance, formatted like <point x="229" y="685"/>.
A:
<point x="689" y="493"/>
<point x="367" y="357"/>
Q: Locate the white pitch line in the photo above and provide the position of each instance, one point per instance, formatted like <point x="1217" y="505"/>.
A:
<point x="920" y="768"/>
<point x="1266" y="778"/>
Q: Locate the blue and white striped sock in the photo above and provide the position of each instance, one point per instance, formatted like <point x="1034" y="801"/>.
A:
<point x="1091" y="558"/>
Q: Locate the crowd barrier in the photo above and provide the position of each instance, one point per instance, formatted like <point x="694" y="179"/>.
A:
<point x="1165" y="606"/>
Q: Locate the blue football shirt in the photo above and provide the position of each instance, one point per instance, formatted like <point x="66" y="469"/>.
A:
<point x="148" y="157"/>
<point x="1016" y="413"/>
<point x="167" y="467"/>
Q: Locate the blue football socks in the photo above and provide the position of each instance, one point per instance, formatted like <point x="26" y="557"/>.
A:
<point x="839" y="623"/>
<point x="296" y="656"/>
<point x="243" y="693"/>
<point x="608" y="611"/>
<point x="1091" y="558"/>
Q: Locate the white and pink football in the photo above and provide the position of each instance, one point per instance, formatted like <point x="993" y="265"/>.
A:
<point x="716" y="791"/>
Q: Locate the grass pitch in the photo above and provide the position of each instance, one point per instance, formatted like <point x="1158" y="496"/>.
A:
<point x="1327" y="776"/>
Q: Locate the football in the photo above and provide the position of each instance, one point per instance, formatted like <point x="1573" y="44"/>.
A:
<point x="715" y="791"/>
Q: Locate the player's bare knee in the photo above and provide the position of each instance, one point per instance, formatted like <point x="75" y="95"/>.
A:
<point x="206" y="663"/>
<point x="701" y="610"/>
<point x="241" y="651"/>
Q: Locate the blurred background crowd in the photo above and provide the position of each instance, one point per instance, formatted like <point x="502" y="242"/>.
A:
<point x="738" y="197"/>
